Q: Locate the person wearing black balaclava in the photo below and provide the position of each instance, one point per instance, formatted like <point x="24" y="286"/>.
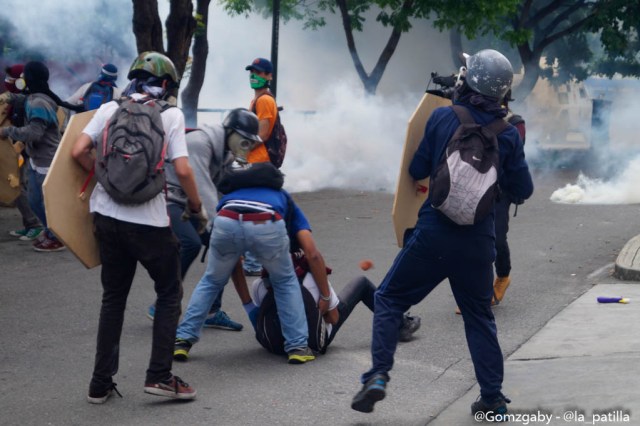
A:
<point x="41" y="136"/>
<point x="31" y="226"/>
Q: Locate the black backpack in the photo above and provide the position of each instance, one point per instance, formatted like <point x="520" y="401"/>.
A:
<point x="276" y="145"/>
<point x="130" y="154"/>
<point x="233" y="177"/>
<point x="269" y="331"/>
<point x="464" y="184"/>
<point x="96" y="95"/>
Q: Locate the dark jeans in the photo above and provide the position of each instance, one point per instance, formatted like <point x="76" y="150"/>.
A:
<point x="190" y="244"/>
<point x="29" y="219"/>
<point x="36" y="198"/>
<point x="358" y="290"/>
<point x="503" y="255"/>
<point x="122" y="245"/>
<point x="427" y="259"/>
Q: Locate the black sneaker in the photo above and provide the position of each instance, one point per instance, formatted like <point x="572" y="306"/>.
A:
<point x="371" y="392"/>
<point x="181" y="349"/>
<point x="101" y="397"/>
<point x="409" y="326"/>
<point x="301" y="355"/>
<point x="497" y="407"/>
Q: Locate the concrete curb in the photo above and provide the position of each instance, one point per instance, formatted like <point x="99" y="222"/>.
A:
<point x="627" y="266"/>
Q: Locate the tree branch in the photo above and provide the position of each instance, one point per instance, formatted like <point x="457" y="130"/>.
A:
<point x="348" y="30"/>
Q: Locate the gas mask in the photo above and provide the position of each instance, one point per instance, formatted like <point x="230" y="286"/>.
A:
<point x="257" y="82"/>
<point x="20" y="83"/>
<point x="240" y="146"/>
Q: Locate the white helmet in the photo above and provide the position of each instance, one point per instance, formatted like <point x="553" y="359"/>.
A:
<point x="489" y="73"/>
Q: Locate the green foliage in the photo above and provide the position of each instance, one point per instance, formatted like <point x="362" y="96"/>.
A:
<point x="478" y="16"/>
<point x="577" y="38"/>
<point x="472" y="18"/>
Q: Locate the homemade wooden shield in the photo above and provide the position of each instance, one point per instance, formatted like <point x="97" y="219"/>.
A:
<point x="9" y="168"/>
<point x="67" y="207"/>
<point x="408" y="200"/>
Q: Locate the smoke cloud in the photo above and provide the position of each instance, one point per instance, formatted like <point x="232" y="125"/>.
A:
<point x="337" y="136"/>
<point x="612" y="161"/>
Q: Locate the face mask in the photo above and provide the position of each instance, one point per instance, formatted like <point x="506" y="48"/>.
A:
<point x="154" y="91"/>
<point x="20" y="83"/>
<point x="257" y="82"/>
<point x="240" y="146"/>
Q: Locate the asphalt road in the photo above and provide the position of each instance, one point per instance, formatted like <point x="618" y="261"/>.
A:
<point x="49" y="309"/>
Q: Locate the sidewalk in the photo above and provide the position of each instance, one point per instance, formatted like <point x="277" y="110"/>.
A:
<point x="580" y="368"/>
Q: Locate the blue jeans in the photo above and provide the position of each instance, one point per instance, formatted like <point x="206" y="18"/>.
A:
<point x="36" y="199"/>
<point x="190" y="243"/>
<point x="270" y="243"/>
<point x="428" y="258"/>
<point x="251" y="263"/>
<point x="29" y="219"/>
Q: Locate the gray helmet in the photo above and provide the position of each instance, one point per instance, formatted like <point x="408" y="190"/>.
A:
<point x="244" y="122"/>
<point x="489" y="73"/>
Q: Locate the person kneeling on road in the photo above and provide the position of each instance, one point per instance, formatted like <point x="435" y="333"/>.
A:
<point x="312" y="274"/>
<point x="360" y="289"/>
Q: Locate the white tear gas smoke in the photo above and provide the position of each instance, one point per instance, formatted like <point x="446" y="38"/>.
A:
<point x="74" y="38"/>
<point x="614" y="153"/>
<point x="351" y="141"/>
<point x="622" y="190"/>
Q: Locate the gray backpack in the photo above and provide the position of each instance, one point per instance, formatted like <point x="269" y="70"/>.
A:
<point x="130" y="154"/>
<point x="464" y="185"/>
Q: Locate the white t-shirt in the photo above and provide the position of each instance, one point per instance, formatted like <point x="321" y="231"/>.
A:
<point x="154" y="211"/>
<point x="259" y="291"/>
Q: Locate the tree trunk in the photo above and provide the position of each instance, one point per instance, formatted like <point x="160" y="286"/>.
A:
<point x="147" y="27"/>
<point x="191" y="93"/>
<point x="455" y="40"/>
<point x="180" y="26"/>
<point x="531" y="62"/>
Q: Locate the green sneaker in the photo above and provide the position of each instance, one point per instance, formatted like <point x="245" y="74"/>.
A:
<point x="19" y="232"/>
<point x="32" y="234"/>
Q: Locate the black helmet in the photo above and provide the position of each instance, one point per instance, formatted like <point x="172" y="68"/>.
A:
<point x="489" y="73"/>
<point x="244" y="122"/>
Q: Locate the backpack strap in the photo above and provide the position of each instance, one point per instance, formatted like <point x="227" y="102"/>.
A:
<point x="253" y="107"/>
<point x="463" y="114"/>
<point x="497" y="126"/>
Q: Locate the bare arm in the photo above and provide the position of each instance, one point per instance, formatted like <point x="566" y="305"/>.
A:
<point x="184" y="174"/>
<point x="240" y="283"/>
<point x="82" y="152"/>
<point x="263" y="129"/>
<point x="319" y="272"/>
